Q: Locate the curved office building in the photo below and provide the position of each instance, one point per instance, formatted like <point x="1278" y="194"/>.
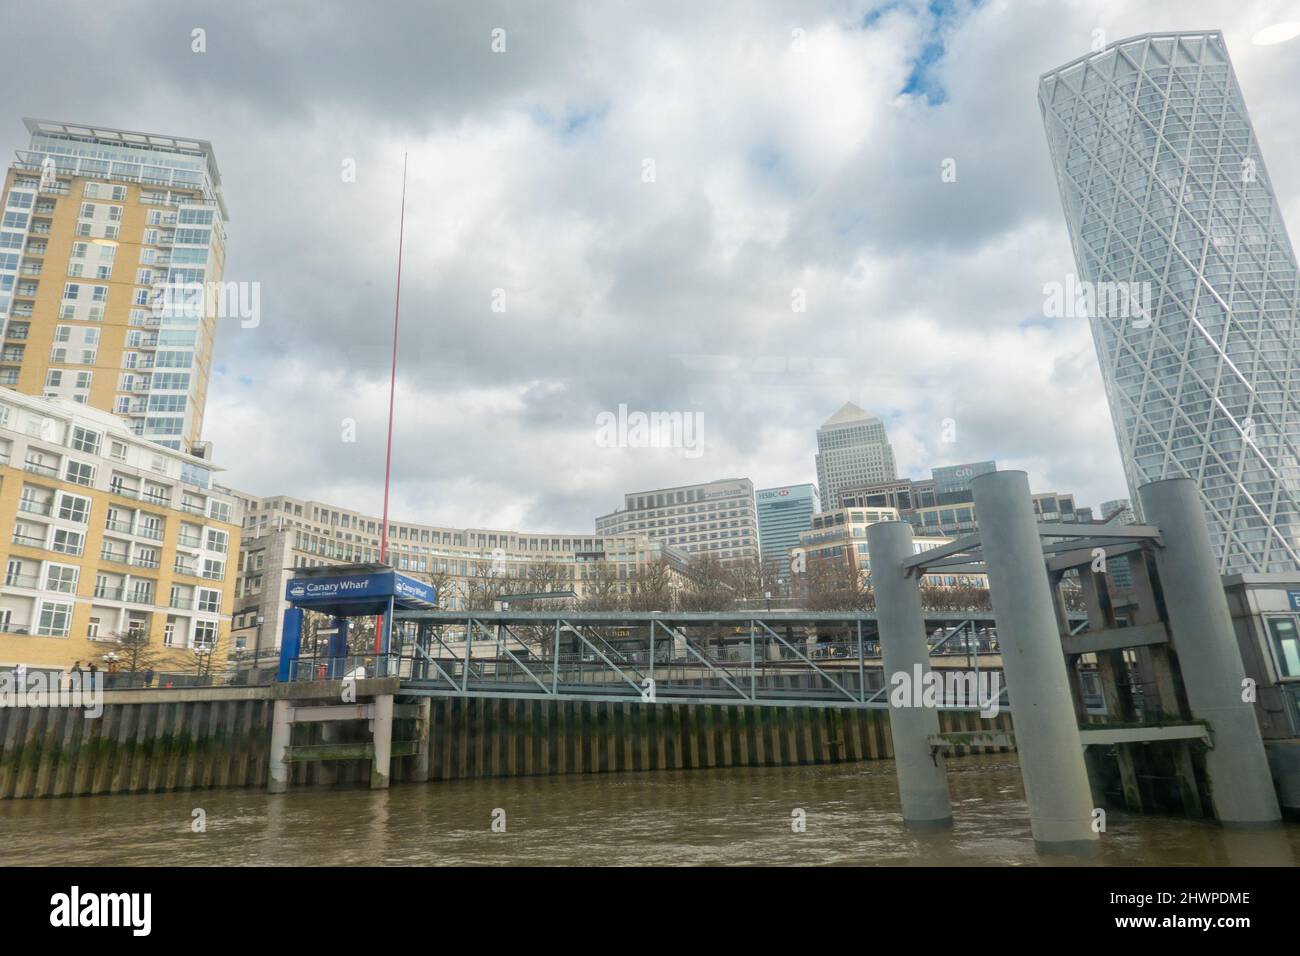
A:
<point x="1189" y="281"/>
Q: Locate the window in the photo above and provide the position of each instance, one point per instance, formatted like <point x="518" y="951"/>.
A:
<point x="61" y="577"/>
<point x="214" y="570"/>
<point x="67" y="542"/>
<point x="79" y="471"/>
<point x="92" y="629"/>
<point x="205" y="634"/>
<point x="54" y="619"/>
<point x="74" y="508"/>
<point x="1286" y="645"/>
<point x="83" y="439"/>
<point x="117" y="449"/>
<point x="209" y="600"/>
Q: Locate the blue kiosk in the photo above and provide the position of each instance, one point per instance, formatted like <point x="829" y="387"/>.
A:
<point x="343" y="592"/>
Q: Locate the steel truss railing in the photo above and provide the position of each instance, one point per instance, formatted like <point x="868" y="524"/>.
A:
<point x="780" y="659"/>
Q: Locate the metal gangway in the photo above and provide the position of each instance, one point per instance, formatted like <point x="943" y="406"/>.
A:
<point x="774" y="659"/>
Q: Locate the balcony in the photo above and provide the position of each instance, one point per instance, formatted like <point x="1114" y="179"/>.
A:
<point x="194" y="509"/>
<point x="185" y="541"/>
<point x="143" y="562"/>
<point x="117" y="557"/>
<point x="138" y="597"/>
<point x="28" y="541"/>
<point x="124" y="527"/>
<point x="35" y="507"/>
<point x="183" y="604"/>
<point x="155" y="534"/>
<point x="22" y="581"/>
<point x="110" y="594"/>
<point x="180" y="568"/>
<point x="36" y="468"/>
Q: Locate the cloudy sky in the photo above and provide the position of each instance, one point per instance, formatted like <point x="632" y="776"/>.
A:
<point x="643" y="191"/>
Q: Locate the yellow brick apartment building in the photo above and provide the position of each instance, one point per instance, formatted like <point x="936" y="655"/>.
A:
<point x="105" y="534"/>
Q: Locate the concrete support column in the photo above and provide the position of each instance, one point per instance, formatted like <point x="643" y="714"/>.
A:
<point x="421" y="774"/>
<point x="922" y="778"/>
<point x="1208" y="656"/>
<point x="381" y="727"/>
<point x="1047" y="735"/>
<point x="281" y="729"/>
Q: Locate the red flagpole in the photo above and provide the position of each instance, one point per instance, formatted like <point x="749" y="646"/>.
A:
<point x="392" y="393"/>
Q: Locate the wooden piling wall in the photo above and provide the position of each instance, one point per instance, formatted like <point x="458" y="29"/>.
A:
<point x="198" y="743"/>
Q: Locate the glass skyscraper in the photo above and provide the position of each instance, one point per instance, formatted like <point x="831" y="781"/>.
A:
<point x="1188" y="279"/>
<point x="782" y="514"/>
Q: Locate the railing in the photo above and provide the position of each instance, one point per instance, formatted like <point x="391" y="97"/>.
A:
<point x="107" y="555"/>
<point x="28" y="541"/>
<point x="122" y="526"/>
<point x="35" y="507"/>
<point x="185" y="541"/>
<point x="110" y="594"/>
<point x="36" y="468"/>
<point x="145" y="531"/>
<point x="143" y="562"/>
<point x="138" y="597"/>
<point x="356" y="666"/>
<point x="181" y="604"/>
<point x="22" y="581"/>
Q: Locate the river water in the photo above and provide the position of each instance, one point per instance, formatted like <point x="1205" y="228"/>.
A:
<point x="733" y="816"/>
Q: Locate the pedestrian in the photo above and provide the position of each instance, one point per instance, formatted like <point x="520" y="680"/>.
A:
<point x="74" y="678"/>
<point x="148" y="677"/>
<point x="20" y="675"/>
<point x="92" y="674"/>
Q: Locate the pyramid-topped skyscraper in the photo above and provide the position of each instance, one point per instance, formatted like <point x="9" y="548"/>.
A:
<point x="852" y="450"/>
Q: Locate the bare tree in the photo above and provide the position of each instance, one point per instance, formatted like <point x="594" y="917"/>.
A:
<point x="132" y="653"/>
<point x="710" y="586"/>
<point x="652" y="590"/>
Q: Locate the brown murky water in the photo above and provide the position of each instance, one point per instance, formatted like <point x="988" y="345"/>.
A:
<point x="735" y="816"/>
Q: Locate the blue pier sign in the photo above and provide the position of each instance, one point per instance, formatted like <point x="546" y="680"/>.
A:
<point x="1293" y="597"/>
<point x="360" y="593"/>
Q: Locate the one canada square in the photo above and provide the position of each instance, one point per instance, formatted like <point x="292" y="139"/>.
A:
<point x="1167" y="199"/>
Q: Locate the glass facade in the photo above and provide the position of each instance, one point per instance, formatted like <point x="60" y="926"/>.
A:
<point x="783" y="513"/>
<point x="1169" y="205"/>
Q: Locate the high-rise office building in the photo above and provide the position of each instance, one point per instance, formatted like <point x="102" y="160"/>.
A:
<point x="715" y="518"/>
<point x="956" y="479"/>
<point x="852" y="450"/>
<point x="783" y="513"/>
<point x="111" y="245"/>
<point x="1181" y="249"/>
